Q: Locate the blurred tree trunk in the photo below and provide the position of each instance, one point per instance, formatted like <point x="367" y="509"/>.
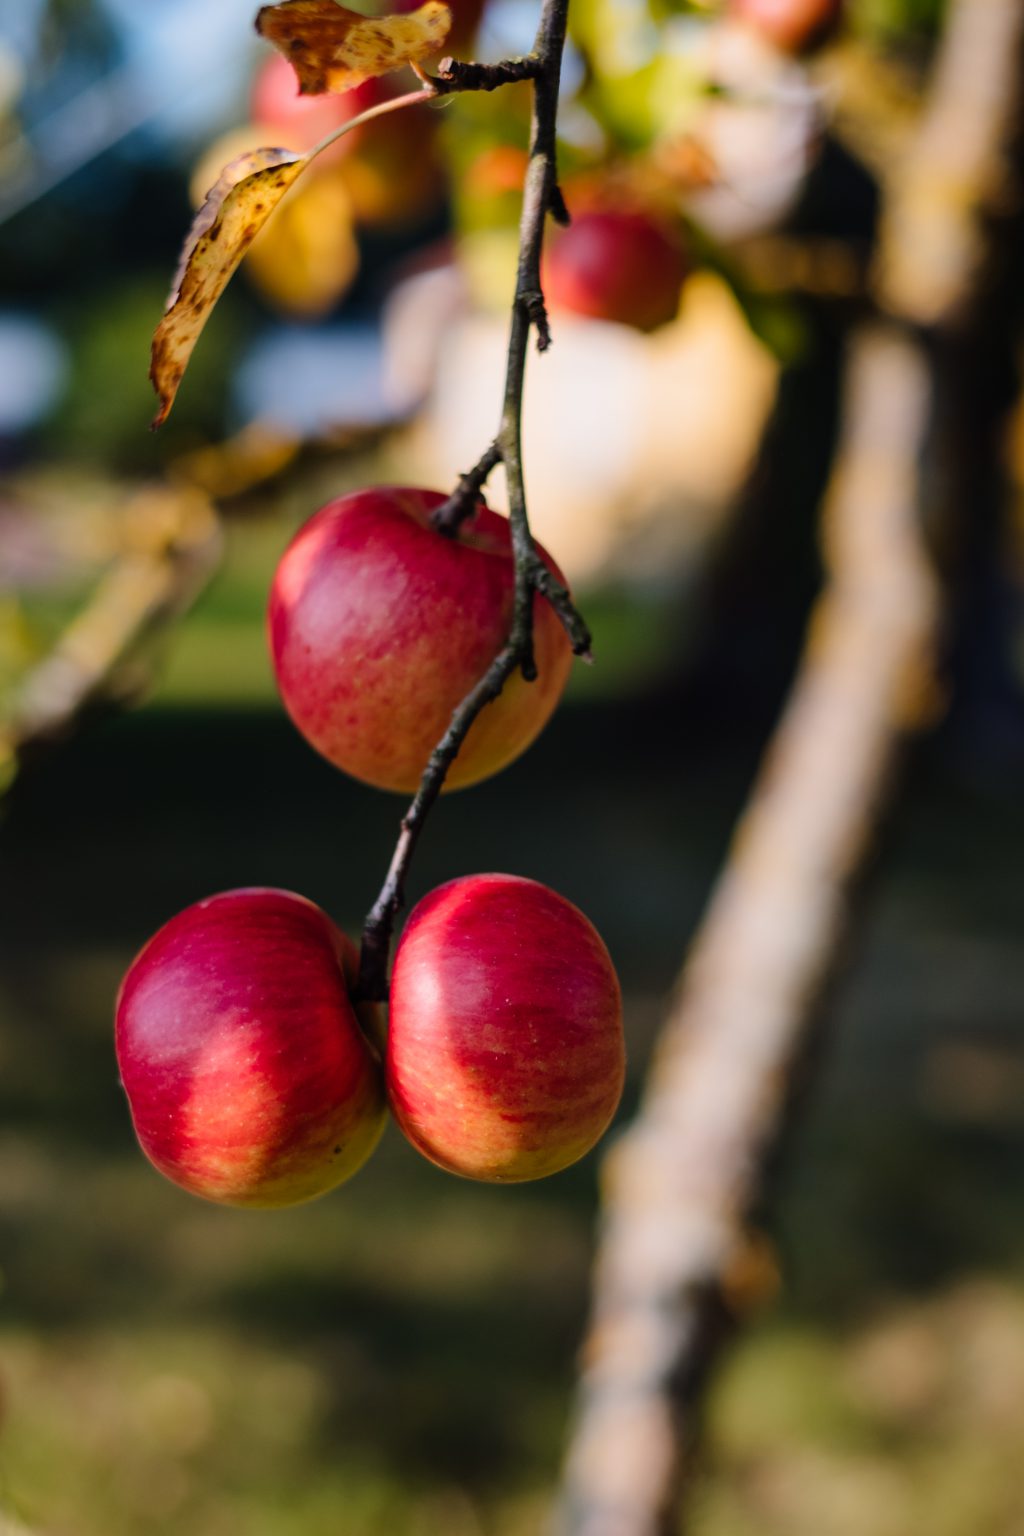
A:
<point x="675" y="1267"/>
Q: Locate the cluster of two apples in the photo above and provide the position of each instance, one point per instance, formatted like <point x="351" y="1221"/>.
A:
<point x="254" y="1075"/>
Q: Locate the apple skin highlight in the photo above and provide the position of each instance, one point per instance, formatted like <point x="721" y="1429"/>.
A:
<point x="505" y="1057"/>
<point x="249" y="1079"/>
<point x="379" y="627"/>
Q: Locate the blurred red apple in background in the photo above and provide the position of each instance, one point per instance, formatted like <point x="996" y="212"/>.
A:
<point x="790" y="25"/>
<point x="622" y="265"/>
<point x="393" y="170"/>
<point x="379" y="626"/>
<point x="505" y="1055"/>
<point x="300" y="122"/>
<point x="249" y="1079"/>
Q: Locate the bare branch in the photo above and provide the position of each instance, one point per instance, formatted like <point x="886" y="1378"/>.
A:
<point x="933" y="239"/>
<point x="176" y="550"/>
<point x="458" y="75"/>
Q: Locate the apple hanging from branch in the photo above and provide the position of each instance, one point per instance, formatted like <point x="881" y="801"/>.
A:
<point x="420" y="642"/>
<point x="380" y="625"/>
<point x="249" y="1077"/>
<point x="505" y="1054"/>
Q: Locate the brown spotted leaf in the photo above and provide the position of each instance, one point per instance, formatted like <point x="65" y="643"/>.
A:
<point x="235" y="210"/>
<point x="333" y="49"/>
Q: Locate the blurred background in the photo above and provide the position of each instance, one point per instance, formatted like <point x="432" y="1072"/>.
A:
<point x="399" y="1356"/>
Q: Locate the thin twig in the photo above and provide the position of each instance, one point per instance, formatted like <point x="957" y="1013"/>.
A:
<point x="379" y="925"/>
<point x="459" y="75"/>
<point x="541" y="197"/>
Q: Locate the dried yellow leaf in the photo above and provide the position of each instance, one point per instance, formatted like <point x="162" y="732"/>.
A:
<point x="333" y="49"/>
<point x="236" y="208"/>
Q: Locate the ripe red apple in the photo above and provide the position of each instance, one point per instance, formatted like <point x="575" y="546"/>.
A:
<point x="790" y="25"/>
<point x="505" y="1055"/>
<point x="616" y="264"/>
<point x="249" y="1079"/>
<point x="379" y="627"/>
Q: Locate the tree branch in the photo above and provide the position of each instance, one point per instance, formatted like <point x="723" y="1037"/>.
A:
<point x="173" y="548"/>
<point x="680" y="1183"/>
<point x="541" y="197"/>
<point x="460" y="75"/>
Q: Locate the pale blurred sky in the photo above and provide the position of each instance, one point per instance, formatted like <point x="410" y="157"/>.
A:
<point x="183" y="73"/>
<point x="187" y="61"/>
<point x="161" y="45"/>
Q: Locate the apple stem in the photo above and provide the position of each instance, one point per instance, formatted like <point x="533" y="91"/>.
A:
<point x="541" y="196"/>
<point x="451" y="514"/>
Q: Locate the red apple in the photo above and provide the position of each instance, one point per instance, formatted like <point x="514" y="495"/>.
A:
<point x="249" y="1079"/>
<point x="790" y="25"/>
<point x="505" y="1054"/>
<point x="300" y="122"/>
<point x="379" y="627"/>
<point x="612" y="264"/>
<point x="394" y="173"/>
